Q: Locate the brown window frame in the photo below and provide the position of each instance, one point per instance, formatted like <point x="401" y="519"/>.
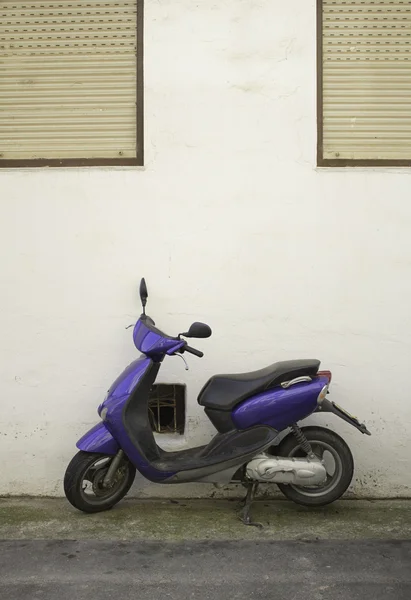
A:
<point x="138" y="160"/>
<point x="343" y="162"/>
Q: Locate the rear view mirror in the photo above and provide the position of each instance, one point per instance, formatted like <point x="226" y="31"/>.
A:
<point x="143" y="293"/>
<point x="198" y="330"/>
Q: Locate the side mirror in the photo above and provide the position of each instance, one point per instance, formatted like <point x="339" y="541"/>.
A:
<point x="143" y="293"/>
<point x="198" y="330"/>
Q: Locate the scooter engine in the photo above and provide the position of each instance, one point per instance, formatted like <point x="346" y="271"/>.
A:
<point x="296" y="471"/>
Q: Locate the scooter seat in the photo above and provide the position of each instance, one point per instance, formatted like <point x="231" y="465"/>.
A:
<point x="223" y="392"/>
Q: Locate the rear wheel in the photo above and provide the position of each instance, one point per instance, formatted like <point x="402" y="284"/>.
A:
<point x="83" y="482"/>
<point x="338" y="461"/>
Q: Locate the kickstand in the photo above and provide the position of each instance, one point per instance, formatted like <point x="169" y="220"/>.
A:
<point x="245" y="513"/>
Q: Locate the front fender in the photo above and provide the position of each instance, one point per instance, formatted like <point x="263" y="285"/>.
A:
<point x="98" y="439"/>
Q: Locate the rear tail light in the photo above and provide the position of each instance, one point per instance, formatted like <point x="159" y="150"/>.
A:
<point x="324" y="391"/>
<point x="326" y="374"/>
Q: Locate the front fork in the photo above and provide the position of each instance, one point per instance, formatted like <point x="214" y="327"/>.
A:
<point x="112" y="470"/>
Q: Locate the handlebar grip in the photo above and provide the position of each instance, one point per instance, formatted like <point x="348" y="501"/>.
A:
<point x="194" y="351"/>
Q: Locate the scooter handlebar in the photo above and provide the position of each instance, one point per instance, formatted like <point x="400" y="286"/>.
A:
<point x="193" y="351"/>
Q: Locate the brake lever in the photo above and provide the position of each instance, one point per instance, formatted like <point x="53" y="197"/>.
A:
<point x="128" y="326"/>
<point x="184" y="361"/>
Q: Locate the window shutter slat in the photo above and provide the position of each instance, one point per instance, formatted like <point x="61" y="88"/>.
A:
<point x="68" y="79"/>
<point x="366" y="79"/>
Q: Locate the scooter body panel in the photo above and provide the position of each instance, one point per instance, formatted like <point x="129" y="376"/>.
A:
<point x="278" y="407"/>
<point x="112" y="411"/>
<point x="98" y="439"/>
<point x="129" y="392"/>
<point x="125" y="423"/>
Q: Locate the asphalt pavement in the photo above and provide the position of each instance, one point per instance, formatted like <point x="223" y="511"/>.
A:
<point x="206" y="570"/>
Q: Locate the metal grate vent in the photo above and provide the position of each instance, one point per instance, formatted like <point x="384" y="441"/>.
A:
<point x="167" y="408"/>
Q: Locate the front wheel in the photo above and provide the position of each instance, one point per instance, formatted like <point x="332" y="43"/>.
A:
<point x="338" y="461"/>
<point x="83" y="482"/>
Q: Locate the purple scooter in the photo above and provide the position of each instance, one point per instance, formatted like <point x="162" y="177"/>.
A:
<point x="312" y="466"/>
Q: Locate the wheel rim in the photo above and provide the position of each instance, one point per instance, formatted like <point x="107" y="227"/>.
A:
<point x="332" y="463"/>
<point x="91" y="484"/>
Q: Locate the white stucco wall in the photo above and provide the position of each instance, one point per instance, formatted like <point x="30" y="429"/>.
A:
<point x="230" y="222"/>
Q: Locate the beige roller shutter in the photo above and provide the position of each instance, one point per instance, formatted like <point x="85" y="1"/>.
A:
<point x="68" y="80"/>
<point x="366" y="79"/>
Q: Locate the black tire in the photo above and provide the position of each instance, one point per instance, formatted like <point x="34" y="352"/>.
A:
<point x="336" y="484"/>
<point x="91" y="467"/>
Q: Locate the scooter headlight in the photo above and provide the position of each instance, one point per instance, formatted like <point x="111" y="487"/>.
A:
<point x="103" y="413"/>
